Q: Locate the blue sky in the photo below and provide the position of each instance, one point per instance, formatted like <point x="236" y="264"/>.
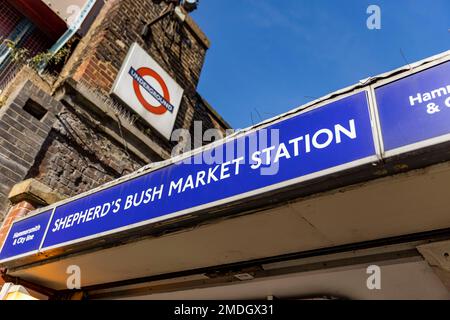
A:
<point x="270" y="56"/>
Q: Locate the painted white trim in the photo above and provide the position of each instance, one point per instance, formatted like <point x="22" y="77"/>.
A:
<point x="23" y="255"/>
<point x="47" y="228"/>
<point x="415" y="68"/>
<point x="378" y="134"/>
<point x="374" y="120"/>
<point x="417" y="145"/>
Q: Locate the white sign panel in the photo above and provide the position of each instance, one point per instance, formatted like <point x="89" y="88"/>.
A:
<point x="149" y="90"/>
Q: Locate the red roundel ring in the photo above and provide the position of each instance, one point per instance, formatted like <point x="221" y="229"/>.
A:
<point x="144" y="72"/>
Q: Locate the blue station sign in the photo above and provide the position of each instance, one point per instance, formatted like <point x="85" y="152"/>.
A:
<point x="314" y="143"/>
<point x="25" y="236"/>
<point x="415" y="109"/>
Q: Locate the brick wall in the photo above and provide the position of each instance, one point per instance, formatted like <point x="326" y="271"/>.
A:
<point x="180" y="53"/>
<point x="22" y="135"/>
<point x="76" y="157"/>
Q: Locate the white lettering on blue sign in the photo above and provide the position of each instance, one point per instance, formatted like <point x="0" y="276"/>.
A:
<point x="422" y="97"/>
<point x="296" y="147"/>
<point x="428" y="96"/>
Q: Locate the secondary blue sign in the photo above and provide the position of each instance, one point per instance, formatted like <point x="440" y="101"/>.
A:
<point x="416" y="108"/>
<point x="25" y="236"/>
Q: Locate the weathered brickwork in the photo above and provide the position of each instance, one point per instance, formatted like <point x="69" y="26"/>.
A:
<point x="22" y="135"/>
<point x="76" y="157"/>
<point x="17" y="211"/>
<point x="177" y="48"/>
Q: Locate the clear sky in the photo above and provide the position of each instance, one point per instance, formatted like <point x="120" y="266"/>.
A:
<point x="270" y="56"/>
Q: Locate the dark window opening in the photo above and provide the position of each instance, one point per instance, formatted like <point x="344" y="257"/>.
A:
<point x="35" y="109"/>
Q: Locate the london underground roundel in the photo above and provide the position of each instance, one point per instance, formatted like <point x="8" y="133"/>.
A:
<point x="147" y="105"/>
<point x="148" y="90"/>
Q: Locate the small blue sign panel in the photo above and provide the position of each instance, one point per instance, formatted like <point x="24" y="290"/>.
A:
<point x="415" y="108"/>
<point x="336" y="136"/>
<point x="25" y="236"/>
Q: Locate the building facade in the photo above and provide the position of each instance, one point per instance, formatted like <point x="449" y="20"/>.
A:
<point x="342" y="198"/>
